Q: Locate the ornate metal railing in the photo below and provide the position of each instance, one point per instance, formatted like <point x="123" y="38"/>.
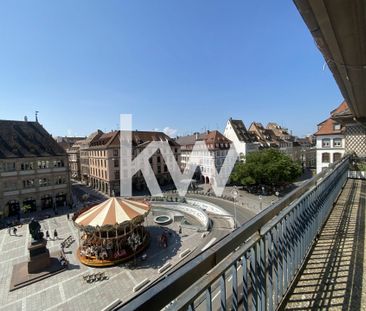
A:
<point x="254" y="266"/>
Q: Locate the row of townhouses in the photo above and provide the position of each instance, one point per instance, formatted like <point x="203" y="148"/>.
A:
<point x="95" y="160"/>
<point x="36" y="169"/>
<point x="273" y="136"/>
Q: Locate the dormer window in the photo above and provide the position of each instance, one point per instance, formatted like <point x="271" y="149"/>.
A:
<point x="336" y="126"/>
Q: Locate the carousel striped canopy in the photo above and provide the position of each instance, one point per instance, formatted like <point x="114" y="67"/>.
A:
<point x="112" y="211"/>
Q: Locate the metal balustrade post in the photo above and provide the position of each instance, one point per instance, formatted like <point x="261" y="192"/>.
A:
<point x="244" y="266"/>
<point x="253" y="280"/>
<point x="261" y="256"/>
<point x="208" y="298"/>
<point x="269" y="271"/>
<point x="234" y="275"/>
<point x="223" y="292"/>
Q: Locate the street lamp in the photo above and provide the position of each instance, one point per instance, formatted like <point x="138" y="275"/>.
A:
<point x="260" y="202"/>
<point x="234" y="193"/>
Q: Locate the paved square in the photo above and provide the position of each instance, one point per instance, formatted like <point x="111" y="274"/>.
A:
<point x="68" y="290"/>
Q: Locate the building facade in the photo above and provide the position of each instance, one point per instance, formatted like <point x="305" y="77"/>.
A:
<point x="104" y="161"/>
<point x="243" y="141"/>
<point x="330" y="140"/>
<point x="33" y="169"/>
<point x="84" y="156"/>
<point x="207" y="161"/>
<point x="73" y="154"/>
<point x="354" y="134"/>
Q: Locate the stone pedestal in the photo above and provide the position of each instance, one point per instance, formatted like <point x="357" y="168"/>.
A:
<point x="39" y="256"/>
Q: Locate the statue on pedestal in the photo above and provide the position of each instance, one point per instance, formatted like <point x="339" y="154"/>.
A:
<point x="39" y="256"/>
<point x="35" y="230"/>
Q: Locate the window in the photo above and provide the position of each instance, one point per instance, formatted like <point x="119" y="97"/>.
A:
<point x="26" y="166"/>
<point x="60" y="163"/>
<point x="158" y="159"/>
<point x="336" y="126"/>
<point x="165" y="168"/>
<point x="116" y="163"/>
<point x="159" y="169"/>
<point x="115" y="152"/>
<point x="43" y="182"/>
<point x="337" y="156"/>
<point x="29" y="183"/>
<point x="325" y="157"/>
<point x="337" y="142"/>
<point x="116" y="175"/>
<point x="60" y="180"/>
<point x="325" y="142"/>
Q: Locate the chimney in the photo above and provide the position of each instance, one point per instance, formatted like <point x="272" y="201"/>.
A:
<point x="196" y="134"/>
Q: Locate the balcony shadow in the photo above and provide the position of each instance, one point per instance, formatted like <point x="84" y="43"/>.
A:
<point x="332" y="277"/>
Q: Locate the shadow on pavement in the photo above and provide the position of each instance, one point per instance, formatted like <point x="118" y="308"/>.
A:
<point x="332" y="278"/>
<point x="157" y="255"/>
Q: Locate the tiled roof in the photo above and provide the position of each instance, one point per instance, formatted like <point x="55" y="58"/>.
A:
<point x="92" y="137"/>
<point x="139" y="138"/>
<point x="210" y="137"/>
<point x="241" y="131"/>
<point x="327" y="127"/>
<point x="21" y="139"/>
<point x="278" y="130"/>
<point x="66" y="142"/>
<point x="265" y="137"/>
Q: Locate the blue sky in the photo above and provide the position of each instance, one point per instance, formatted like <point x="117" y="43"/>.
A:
<point x="184" y="65"/>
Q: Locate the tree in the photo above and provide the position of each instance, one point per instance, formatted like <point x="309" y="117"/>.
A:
<point x="266" y="167"/>
<point x="26" y="208"/>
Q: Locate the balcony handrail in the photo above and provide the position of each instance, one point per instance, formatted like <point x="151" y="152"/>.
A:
<point x="175" y="283"/>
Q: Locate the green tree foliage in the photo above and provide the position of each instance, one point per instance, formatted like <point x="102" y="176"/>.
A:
<point x="266" y="167"/>
<point x="26" y="208"/>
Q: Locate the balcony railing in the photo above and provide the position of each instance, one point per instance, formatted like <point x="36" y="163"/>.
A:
<point x="255" y="265"/>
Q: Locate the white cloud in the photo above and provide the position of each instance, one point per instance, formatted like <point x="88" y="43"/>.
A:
<point x="170" y="131"/>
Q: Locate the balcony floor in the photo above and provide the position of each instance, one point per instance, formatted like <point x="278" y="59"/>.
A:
<point x="334" y="277"/>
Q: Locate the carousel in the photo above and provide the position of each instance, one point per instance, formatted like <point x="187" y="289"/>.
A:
<point x="112" y="232"/>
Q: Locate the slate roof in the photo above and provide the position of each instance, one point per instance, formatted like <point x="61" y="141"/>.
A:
<point x="23" y="139"/>
<point x="241" y="131"/>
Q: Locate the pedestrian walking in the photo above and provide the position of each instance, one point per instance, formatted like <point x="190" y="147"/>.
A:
<point x="180" y="230"/>
<point x="9" y="231"/>
<point x="68" y="216"/>
<point x="55" y="234"/>
<point x="15" y="230"/>
<point x="47" y="235"/>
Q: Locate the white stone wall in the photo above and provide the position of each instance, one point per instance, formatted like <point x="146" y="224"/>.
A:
<point x="331" y="149"/>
